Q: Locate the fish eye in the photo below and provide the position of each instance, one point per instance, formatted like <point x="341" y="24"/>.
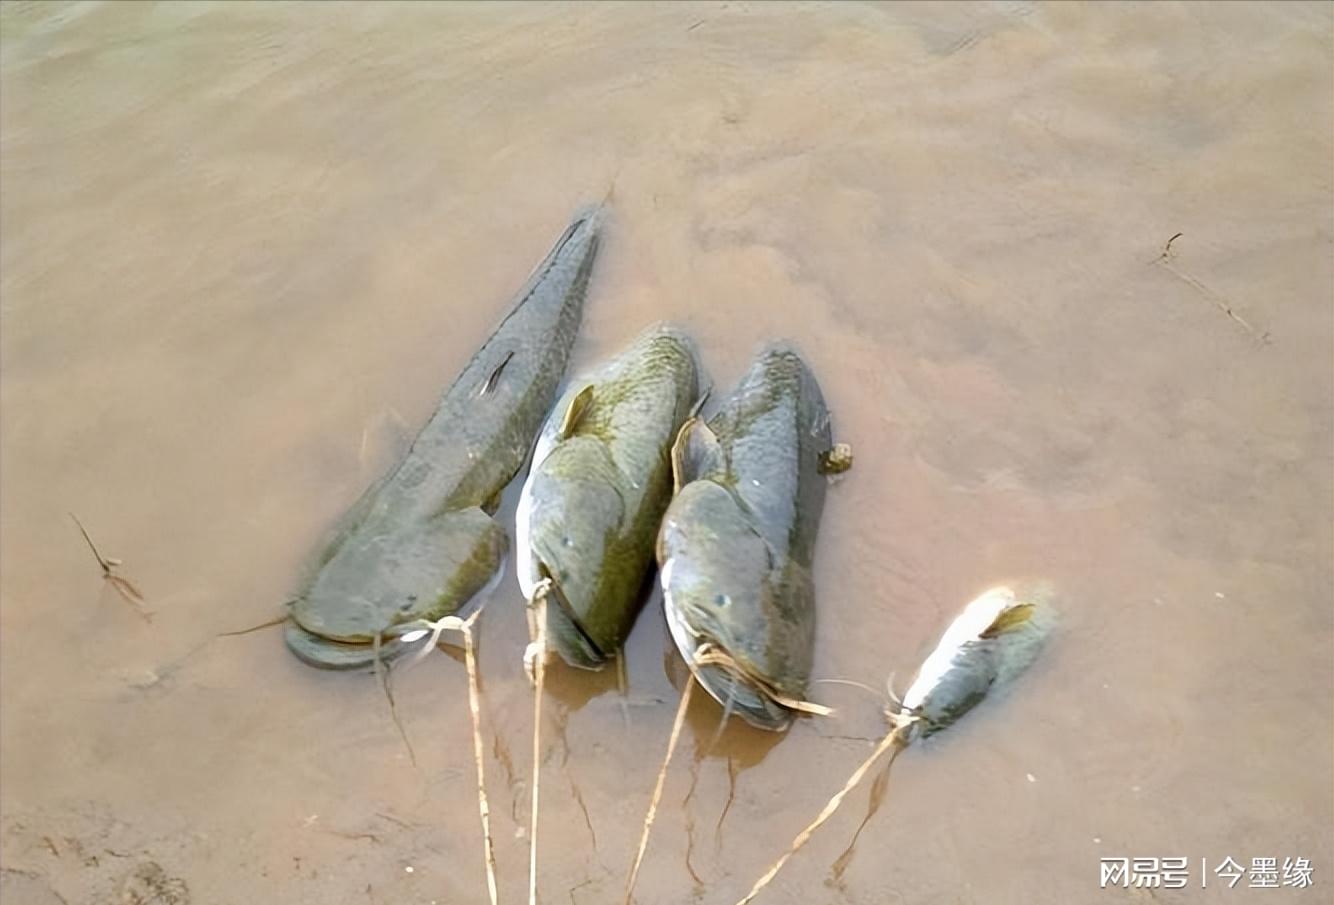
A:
<point x="567" y="541"/>
<point x="722" y="599"/>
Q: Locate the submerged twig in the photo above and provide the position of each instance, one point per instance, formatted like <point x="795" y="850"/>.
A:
<point x="657" y="788"/>
<point x="1222" y="304"/>
<point x="690" y="817"/>
<point x="122" y="585"/>
<point x="382" y="676"/>
<point x="102" y="561"/>
<point x="727" y="805"/>
<point x="1167" y="247"/>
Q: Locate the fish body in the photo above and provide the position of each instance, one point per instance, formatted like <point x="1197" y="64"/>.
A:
<point x="593" y="499"/>
<point x="422" y="542"/>
<point x="994" y="639"/>
<point x="737" y="544"/>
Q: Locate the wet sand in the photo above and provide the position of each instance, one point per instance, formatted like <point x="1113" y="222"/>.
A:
<point x="243" y="248"/>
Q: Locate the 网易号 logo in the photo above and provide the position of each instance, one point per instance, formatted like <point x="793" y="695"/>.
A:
<point x="1177" y="872"/>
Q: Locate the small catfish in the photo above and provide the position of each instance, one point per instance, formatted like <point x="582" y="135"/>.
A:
<point x="422" y="542"/>
<point x="736" y="547"/>
<point x="599" y="484"/>
<point x="993" y="640"/>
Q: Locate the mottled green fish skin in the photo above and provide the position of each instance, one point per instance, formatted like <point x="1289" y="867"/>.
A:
<point x="590" y="509"/>
<point x="737" y="544"/>
<point x="421" y="542"/>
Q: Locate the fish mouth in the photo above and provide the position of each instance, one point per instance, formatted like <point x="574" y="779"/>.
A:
<point x="328" y="653"/>
<point x="328" y="650"/>
<point x="568" y="636"/>
<point x="728" y="687"/>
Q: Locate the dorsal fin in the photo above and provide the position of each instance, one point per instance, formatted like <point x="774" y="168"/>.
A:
<point x="490" y="383"/>
<point x="696" y="452"/>
<point x="579" y="406"/>
<point x="699" y="403"/>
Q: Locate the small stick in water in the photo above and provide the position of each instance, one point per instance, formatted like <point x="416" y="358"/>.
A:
<point x="657" y="789"/>
<point x="994" y="640"/>
<point x="535" y="659"/>
<point x="464" y="627"/>
<point x="124" y="587"/>
<point x="877" y="797"/>
<point x="474" y="707"/>
<point x="896" y="741"/>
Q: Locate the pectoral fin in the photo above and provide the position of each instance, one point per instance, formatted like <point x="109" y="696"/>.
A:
<point x="579" y="407"/>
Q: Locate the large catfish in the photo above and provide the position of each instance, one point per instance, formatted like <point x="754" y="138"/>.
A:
<point x="422" y="542"/>
<point x="600" y="480"/>
<point x="737" y="543"/>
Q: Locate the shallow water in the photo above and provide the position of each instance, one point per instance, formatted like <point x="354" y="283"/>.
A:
<point x="243" y="248"/>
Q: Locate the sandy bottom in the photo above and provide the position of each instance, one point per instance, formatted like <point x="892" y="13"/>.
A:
<point x="244" y="247"/>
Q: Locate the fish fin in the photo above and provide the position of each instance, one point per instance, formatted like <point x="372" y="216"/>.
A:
<point x="579" y="406"/>
<point x="490" y="383"/>
<point x="699" y="403"/>
<point x="696" y="452"/>
<point x="1010" y="618"/>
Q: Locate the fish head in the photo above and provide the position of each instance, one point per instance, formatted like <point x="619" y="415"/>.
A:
<point x="714" y="569"/>
<point x="722" y="591"/>
<point x="573" y="512"/>
<point x="413" y="572"/>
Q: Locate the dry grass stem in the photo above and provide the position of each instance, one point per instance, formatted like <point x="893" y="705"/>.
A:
<point x="536" y="657"/>
<point x="122" y="585"/>
<point x="894" y="742"/>
<point x="475" y="709"/>
<point x="657" y="788"/>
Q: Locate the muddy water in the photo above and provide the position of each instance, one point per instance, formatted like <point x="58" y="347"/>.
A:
<point x="244" y="248"/>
